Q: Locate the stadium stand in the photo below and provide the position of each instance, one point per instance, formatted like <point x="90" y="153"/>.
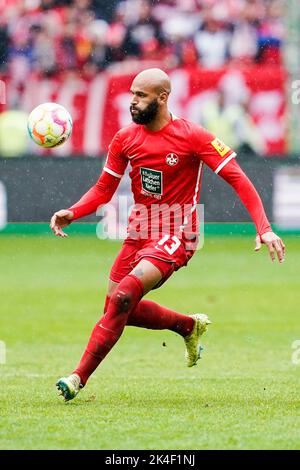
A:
<point x="46" y="36"/>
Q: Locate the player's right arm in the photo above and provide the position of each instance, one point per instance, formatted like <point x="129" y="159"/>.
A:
<point x="99" y="194"/>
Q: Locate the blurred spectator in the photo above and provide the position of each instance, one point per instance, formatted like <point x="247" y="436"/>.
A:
<point x="4" y="45"/>
<point x="143" y="30"/>
<point x="243" y="46"/>
<point x="270" y="33"/>
<point x="212" y="41"/>
<point x="44" y="58"/>
<point x="116" y="34"/>
<point x="227" y="116"/>
<point x="66" y="48"/>
<point x="105" y="9"/>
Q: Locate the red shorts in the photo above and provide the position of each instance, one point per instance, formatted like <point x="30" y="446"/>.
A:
<point x="168" y="255"/>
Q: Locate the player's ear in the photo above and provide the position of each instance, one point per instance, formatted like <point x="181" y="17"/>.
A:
<point x="163" y="97"/>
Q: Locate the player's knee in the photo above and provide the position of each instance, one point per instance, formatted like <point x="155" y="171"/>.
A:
<point x="122" y="300"/>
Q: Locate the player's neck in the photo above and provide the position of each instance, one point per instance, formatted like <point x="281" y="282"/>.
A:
<point x="159" y="122"/>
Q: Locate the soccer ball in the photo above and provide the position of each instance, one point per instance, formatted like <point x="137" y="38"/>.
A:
<point x="49" y="125"/>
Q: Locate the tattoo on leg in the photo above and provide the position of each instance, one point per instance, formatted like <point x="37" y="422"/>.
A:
<point x="138" y="272"/>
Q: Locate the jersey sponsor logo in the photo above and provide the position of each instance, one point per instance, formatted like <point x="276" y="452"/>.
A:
<point x="151" y="180"/>
<point x="220" y="147"/>
<point x="172" y="159"/>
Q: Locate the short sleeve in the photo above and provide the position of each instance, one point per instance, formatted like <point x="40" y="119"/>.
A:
<point x="116" y="161"/>
<point x="211" y="150"/>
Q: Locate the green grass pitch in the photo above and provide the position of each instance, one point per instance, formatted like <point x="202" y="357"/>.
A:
<point x="243" y="394"/>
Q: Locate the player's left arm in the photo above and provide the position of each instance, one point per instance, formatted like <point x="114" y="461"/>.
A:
<point x="234" y="175"/>
<point x="221" y="159"/>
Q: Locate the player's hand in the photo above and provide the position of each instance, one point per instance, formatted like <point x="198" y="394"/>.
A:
<point x="274" y="244"/>
<point x="59" y="220"/>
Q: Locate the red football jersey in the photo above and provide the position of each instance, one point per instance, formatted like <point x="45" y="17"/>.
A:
<point x="166" y="169"/>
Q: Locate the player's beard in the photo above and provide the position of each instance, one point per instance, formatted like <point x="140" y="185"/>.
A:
<point x="146" y="115"/>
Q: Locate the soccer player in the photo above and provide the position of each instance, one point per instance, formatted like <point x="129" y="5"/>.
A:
<point x="166" y="155"/>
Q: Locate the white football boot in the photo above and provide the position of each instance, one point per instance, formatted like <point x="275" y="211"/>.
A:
<point x="192" y="341"/>
<point x="69" y="386"/>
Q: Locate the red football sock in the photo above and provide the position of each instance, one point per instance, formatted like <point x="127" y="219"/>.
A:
<point x="110" y="327"/>
<point x="151" y="315"/>
<point x="107" y="300"/>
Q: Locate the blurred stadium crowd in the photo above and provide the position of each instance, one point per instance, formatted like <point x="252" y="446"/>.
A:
<point x="55" y="50"/>
<point x="49" y="36"/>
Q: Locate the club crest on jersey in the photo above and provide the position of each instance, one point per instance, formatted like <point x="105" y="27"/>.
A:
<point x="172" y="159"/>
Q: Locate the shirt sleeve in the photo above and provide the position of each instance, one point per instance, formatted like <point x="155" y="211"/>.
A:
<point x="211" y="150"/>
<point x="116" y="161"/>
<point x="99" y="194"/>
<point x="234" y="175"/>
